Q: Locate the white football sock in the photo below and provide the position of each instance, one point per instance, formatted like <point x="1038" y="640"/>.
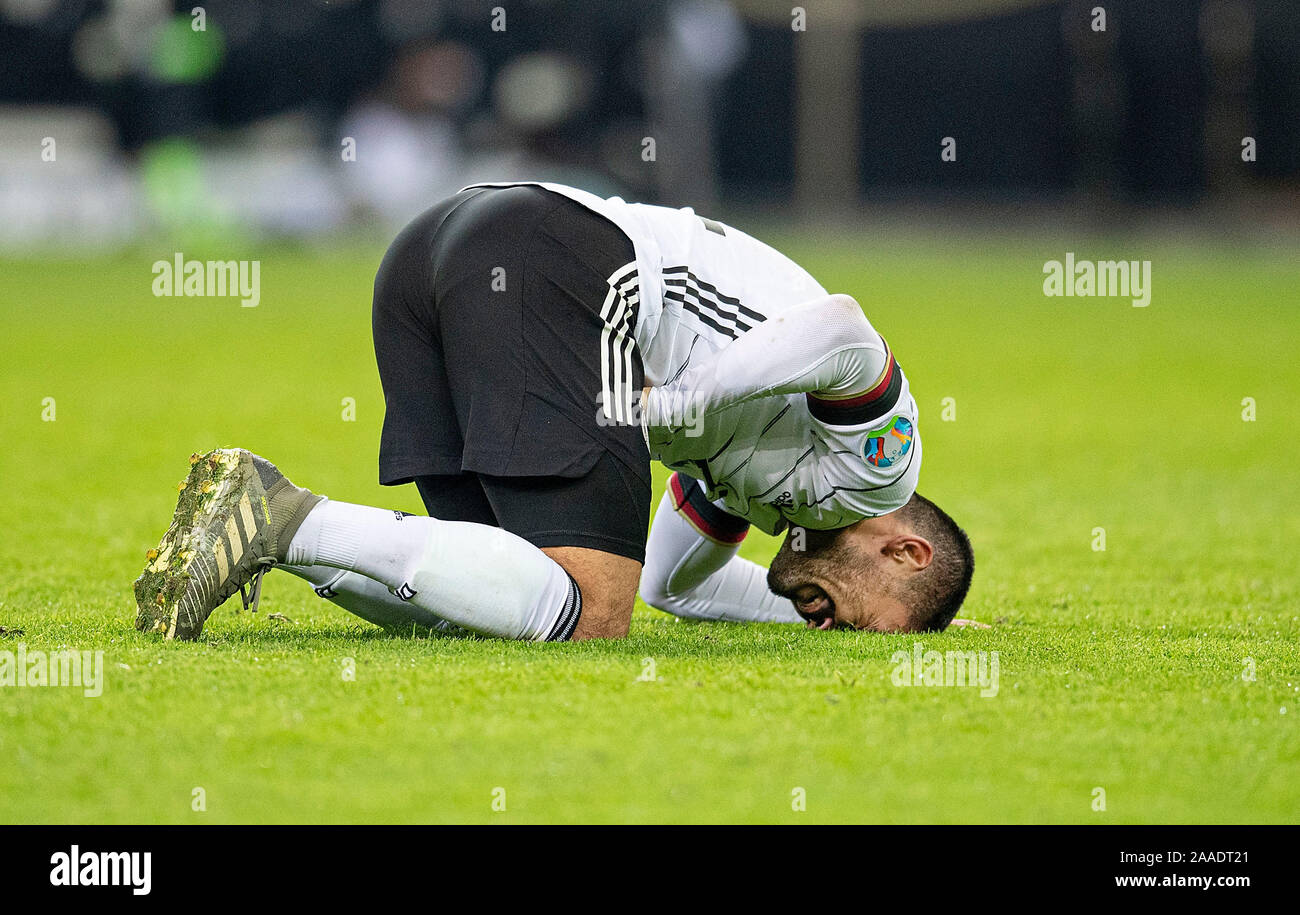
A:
<point x="367" y="598"/>
<point x="480" y="577"/>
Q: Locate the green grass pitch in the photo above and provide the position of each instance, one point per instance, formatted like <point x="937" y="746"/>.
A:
<point x="1124" y="669"/>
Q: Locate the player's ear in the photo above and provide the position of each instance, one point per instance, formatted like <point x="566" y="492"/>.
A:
<point x="910" y="549"/>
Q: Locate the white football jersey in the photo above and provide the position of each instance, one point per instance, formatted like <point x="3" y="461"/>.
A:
<point x="696" y="286"/>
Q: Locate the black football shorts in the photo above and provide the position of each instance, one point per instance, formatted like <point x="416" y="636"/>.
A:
<point x="487" y="331"/>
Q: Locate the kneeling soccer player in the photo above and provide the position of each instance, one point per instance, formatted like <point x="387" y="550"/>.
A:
<point x="538" y="346"/>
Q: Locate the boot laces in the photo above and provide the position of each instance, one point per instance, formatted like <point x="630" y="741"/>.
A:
<point x="251" y="593"/>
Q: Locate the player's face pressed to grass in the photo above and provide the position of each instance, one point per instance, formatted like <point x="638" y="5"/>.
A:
<point x="852" y="577"/>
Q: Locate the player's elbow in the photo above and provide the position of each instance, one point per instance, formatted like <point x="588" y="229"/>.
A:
<point x="682" y="606"/>
<point x="839" y="301"/>
<point x="654" y="592"/>
<point x="657" y="592"/>
<point x="662" y="563"/>
<point x="840" y="321"/>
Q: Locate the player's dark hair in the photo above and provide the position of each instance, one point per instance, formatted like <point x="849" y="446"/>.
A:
<point x="935" y="594"/>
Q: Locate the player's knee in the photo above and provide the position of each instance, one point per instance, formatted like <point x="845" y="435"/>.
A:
<point x="607" y="583"/>
<point x="606" y="609"/>
<point x="603" y="621"/>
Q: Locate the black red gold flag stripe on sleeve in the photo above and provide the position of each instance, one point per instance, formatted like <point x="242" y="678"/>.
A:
<point x="856" y="409"/>
<point x="712" y="522"/>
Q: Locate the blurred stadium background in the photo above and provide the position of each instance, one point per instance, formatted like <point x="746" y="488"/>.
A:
<point x="239" y="116"/>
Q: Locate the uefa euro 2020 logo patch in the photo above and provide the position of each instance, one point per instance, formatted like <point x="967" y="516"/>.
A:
<point x="886" y="446"/>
